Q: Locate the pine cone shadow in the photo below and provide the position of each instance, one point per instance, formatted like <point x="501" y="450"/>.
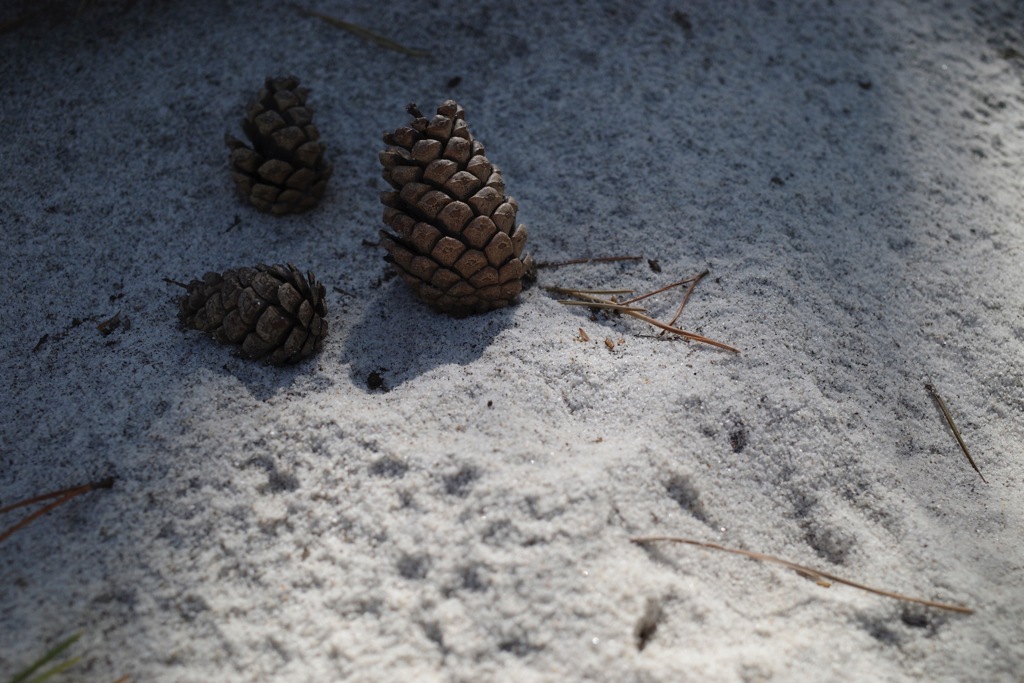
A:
<point x="399" y="338"/>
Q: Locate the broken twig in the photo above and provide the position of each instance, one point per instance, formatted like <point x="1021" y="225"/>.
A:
<point x="809" y="572"/>
<point x="952" y="425"/>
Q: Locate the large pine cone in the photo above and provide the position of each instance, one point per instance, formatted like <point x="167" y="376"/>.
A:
<point x="455" y="241"/>
<point x="285" y="170"/>
<point x="273" y="312"/>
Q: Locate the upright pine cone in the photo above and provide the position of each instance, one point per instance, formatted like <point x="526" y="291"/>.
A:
<point x="455" y="241"/>
<point x="273" y="312"/>
<point x="284" y="171"/>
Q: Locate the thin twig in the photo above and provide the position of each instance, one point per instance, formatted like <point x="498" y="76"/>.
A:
<point x="74" y="490"/>
<point x="686" y="297"/>
<point x="62" y="497"/>
<point x="602" y="304"/>
<point x="362" y="32"/>
<point x="647" y="319"/>
<point x="569" y="290"/>
<point x="952" y="426"/>
<point x="596" y="259"/>
<point x="816" y="574"/>
<point x="657" y="291"/>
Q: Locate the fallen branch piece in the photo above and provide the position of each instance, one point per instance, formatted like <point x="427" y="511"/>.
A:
<point x="809" y="572"/>
<point x="952" y="425"/>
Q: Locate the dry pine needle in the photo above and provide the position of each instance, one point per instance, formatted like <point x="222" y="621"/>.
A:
<point x="821" y="577"/>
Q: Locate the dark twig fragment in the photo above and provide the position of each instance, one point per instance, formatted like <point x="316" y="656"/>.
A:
<point x="110" y="324"/>
<point x="952" y="425"/>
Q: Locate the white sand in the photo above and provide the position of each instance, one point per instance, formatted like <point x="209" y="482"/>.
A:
<point x="854" y="180"/>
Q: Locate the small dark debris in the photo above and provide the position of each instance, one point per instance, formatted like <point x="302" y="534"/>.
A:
<point x="653" y="264"/>
<point x="683" y="20"/>
<point x="1010" y="53"/>
<point x="490" y="404"/>
<point x="235" y="223"/>
<point x="368" y="243"/>
<point x="864" y="84"/>
<point x="375" y="380"/>
<point x="454" y="81"/>
<point x="647" y="624"/>
<point x="110" y="324"/>
<point x="777" y="181"/>
<point x="738" y="438"/>
<point x="39" y="344"/>
<point x="915" y="618"/>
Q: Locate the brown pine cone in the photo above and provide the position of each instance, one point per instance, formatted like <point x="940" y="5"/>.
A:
<point x="285" y="170"/>
<point x="455" y="240"/>
<point x="273" y="312"/>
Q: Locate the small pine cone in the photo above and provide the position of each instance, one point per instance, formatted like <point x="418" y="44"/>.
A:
<point x="273" y="312"/>
<point x="455" y="239"/>
<point x="285" y="170"/>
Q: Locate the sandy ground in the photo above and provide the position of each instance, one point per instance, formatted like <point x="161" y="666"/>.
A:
<point x="852" y="177"/>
